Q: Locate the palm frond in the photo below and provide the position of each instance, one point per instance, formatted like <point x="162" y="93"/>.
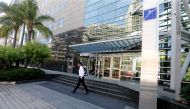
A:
<point x="7" y="20"/>
<point x="5" y="30"/>
<point x="43" y="18"/>
<point x="3" y="7"/>
<point x="43" y="30"/>
<point x="29" y="9"/>
<point x="15" y="14"/>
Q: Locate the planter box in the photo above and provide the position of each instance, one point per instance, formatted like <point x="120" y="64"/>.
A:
<point x="7" y="82"/>
<point x="19" y="82"/>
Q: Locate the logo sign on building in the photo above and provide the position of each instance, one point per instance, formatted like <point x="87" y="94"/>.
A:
<point x="150" y="14"/>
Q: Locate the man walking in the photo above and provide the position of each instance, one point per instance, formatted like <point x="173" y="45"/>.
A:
<point x="81" y="78"/>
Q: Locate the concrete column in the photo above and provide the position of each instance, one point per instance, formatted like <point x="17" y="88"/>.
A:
<point x="150" y="55"/>
<point x="175" y="47"/>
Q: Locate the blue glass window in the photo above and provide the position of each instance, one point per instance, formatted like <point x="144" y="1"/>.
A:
<point x="110" y="15"/>
<point x="121" y="11"/>
<point x="91" y="14"/>
<point x="122" y="3"/>
<point x="93" y="7"/>
<point x="106" y="11"/>
<point x="91" y="2"/>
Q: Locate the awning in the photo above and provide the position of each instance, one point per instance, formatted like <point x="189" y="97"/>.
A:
<point x="113" y="45"/>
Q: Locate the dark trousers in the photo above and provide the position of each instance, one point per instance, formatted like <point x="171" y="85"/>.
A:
<point x="83" y="83"/>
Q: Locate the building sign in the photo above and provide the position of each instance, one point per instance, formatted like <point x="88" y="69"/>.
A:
<point x="150" y="14"/>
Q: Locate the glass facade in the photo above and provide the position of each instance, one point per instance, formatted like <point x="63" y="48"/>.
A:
<point x="110" y="18"/>
<point x="106" y="11"/>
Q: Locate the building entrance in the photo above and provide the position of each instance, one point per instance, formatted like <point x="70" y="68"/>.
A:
<point x="118" y="66"/>
<point x="111" y="66"/>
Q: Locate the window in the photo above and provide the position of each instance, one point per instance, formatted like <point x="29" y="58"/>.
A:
<point x="91" y="2"/>
<point x="122" y="3"/>
<point x="91" y="14"/>
<point x="93" y="7"/>
<point x="121" y="11"/>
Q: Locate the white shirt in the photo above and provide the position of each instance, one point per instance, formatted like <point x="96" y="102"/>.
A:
<point x="81" y="72"/>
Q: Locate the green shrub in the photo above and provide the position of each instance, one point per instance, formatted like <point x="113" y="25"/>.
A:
<point x="185" y="92"/>
<point x="187" y="75"/>
<point x="33" y="52"/>
<point x="18" y="74"/>
<point x="9" y="55"/>
<point x="36" y="52"/>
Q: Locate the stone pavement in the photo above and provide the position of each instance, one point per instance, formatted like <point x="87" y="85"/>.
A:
<point x="50" y="95"/>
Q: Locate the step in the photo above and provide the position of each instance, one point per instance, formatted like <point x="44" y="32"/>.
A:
<point x="126" y="92"/>
<point x="99" y="83"/>
<point x="111" y="90"/>
<point x="95" y="90"/>
<point x="90" y="84"/>
<point x="65" y="81"/>
<point x="95" y="83"/>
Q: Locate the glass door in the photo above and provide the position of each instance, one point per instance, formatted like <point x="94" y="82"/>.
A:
<point x="126" y="67"/>
<point x="99" y="66"/>
<point x="116" y="67"/>
<point x="107" y="62"/>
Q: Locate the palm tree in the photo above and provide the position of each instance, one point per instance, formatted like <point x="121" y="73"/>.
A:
<point x="4" y="32"/>
<point x="11" y="19"/>
<point x="29" y="10"/>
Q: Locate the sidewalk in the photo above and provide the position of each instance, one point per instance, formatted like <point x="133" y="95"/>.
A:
<point x="51" y="95"/>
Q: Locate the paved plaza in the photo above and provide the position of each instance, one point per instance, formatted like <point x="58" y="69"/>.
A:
<point x="51" y="95"/>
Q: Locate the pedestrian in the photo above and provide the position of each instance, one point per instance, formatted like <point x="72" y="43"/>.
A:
<point x="81" y="78"/>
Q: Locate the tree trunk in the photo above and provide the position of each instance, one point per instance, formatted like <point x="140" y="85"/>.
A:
<point x="6" y="38"/>
<point x="17" y="63"/>
<point x="14" y="39"/>
<point x="22" y="38"/>
<point x="29" y="35"/>
<point x="33" y="34"/>
<point x="26" y="62"/>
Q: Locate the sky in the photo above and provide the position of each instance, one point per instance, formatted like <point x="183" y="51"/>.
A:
<point x="7" y="1"/>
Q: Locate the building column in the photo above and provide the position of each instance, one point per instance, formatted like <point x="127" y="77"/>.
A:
<point x="175" y="47"/>
<point x="150" y="55"/>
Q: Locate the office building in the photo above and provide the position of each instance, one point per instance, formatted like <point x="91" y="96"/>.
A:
<point x="113" y="34"/>
<point x="108" y="35"/>
<point x="67" y="28"/>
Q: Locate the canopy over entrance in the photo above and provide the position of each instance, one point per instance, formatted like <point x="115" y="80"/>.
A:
<point x="121" y="44"/>
<point x="113" y="45"/>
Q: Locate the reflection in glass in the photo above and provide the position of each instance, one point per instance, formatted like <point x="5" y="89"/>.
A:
<point x="107" y="62"/>
<point x="116" y="67"/>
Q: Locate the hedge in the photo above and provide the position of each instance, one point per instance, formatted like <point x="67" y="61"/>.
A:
<point x="18" y="74"/>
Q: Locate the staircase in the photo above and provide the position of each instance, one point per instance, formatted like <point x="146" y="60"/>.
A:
<point x="104" y="88"/>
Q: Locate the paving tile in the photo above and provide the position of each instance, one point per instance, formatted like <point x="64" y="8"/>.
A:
<point x="13" y="97"/>
<point x="59" y="100"/>
<point x="37" y="96"/>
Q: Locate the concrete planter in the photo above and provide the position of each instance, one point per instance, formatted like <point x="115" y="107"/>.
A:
<point x="19" y="82"/>
<point x="7" y="82"/>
